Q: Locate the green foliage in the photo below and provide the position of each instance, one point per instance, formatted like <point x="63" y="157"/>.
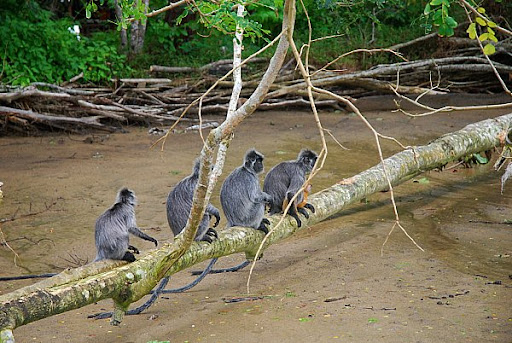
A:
<point x="437" y="15"/>
<point x="483" y="24"/>
<point x="35" y="47"/>
<point x="358" y="24"/>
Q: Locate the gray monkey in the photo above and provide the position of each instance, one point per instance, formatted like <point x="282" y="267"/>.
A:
<point x="285" y="179"/>
<point x="179" y="204"/>
<point x="114" y="226"/>
<point x="241" y="197"/>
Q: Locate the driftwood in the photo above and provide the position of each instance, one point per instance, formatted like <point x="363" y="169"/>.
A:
<point x="31" y="118"/>
<point x="210" y="67"/>
<point x="150" y="101"/>
<point x="111" y="279"/>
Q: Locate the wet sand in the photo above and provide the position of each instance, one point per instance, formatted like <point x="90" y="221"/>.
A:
<point x="328" y="282"/>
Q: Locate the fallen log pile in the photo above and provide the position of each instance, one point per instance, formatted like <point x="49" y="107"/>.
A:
<point x="161" y="101"/>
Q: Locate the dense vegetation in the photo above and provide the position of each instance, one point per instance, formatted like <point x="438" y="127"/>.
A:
<point x="37" y="43"/>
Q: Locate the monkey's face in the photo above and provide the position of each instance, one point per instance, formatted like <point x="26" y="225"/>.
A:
<point x="309" y="158"/>
<point x="258" y="165"/>
<point x="254" y="161"/>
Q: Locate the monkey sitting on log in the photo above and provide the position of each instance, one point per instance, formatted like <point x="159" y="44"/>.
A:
<point x="285" y="179"/>
<point x="241" y="197"/>
<point x="179" y="204"/>
<point x="113" y="229"/>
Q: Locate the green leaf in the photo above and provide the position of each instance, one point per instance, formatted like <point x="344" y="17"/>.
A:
<point x="480" y="159"/>
<point x="88" y="13"/>
<point x="303" y="320"/>
<point x="480" y="10"/>
<point x="423" y="181"/>
<point x="372" y="320"/>
<point x="493" y="38"/>
<point x="445" y="30"/>
<point x="471" y="30"/>
<point x="481" y="22"/>
<point x="451" y="22"/>
<point x="491" y="24"/>
<point x="489" y="49"/>
<point x="436" y="2"/>
<point x="426" y="11"/>
<point x="483" y="36"/>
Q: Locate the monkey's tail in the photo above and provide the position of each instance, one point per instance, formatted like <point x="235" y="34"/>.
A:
<point x="24" y="277"/>
<point x="205" y="272"/>
<point x="159" y="290"/>
<point x="224" y="270"/>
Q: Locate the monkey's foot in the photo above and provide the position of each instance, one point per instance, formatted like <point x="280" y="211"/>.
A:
<point x="207" y="238"/>
<point x="310" y="207"/>
<point x="296" y="217"/>
<point x="303" y="211"/>
<point x="211" y="232"/>
<point x="263" y="225"/>
<point x="128" y="256"/>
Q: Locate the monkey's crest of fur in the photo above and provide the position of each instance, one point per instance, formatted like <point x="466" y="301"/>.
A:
<point x="126" y="196"/>
<point x="307" y="158"/>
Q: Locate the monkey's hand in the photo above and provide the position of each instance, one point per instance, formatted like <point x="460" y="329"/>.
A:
<point x="134" y="249"/>
<point x="217" y="220"/>
<point x="154" y="241"/>
<point x="267" y="198"/>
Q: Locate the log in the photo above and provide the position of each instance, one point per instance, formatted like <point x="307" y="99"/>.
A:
<point x="55" y="121"/>
<point x="213" y="65"/>
<point x="95" y="281"/>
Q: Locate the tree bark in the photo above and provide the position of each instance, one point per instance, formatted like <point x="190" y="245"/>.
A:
<point x="112" y="279"/>
<point x="123" y="33"/>
<point x="138" y="31"/>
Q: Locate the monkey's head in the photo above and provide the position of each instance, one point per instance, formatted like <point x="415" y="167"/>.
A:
<point x="126" y="196"/>
<point x="307" y="158"/>
<point x="253" y="161"/>
<point x="197" y="166"/>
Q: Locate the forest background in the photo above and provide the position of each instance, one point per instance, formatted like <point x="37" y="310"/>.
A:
<point x="39" y="41"/>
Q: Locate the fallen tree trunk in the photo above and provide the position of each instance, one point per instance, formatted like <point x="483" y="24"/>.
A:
<point x="107" y="279"/>
<point x="54" y="121"/>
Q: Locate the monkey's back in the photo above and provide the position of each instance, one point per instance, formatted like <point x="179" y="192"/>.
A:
<point x="111" y="231"/>
<point x="284" y="177"/>
<point x="236" y="202"/>
<point x="179" y="203"/>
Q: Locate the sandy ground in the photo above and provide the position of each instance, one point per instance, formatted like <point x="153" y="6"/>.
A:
<point x="327" y="283"/>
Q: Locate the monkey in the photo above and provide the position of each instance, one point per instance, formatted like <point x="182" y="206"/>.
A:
<point x="242" y="199"/>
<point x="179" y="204"/>
<point x="285" y="179"/>
<point x="113" y="227"/>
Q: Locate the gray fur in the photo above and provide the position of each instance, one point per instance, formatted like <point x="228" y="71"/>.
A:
<point x="179" y="204"/>
<point x="241" y="197"/>
<point x="113" y="227"/>
<point x="286" y="178"/>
